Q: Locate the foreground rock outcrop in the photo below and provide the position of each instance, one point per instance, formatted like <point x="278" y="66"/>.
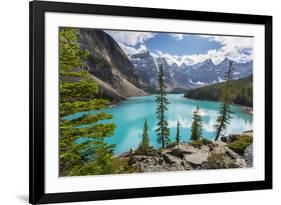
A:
<point x="248" y="155"/>
<point x="186" y="156"/>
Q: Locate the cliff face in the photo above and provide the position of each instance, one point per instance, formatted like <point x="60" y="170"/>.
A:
<point x="114" y="72"/>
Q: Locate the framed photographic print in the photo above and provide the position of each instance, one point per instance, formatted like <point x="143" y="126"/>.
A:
<point x="140" y="102"/>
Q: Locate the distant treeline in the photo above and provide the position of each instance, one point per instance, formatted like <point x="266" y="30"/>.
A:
<point x="242" y="91"/>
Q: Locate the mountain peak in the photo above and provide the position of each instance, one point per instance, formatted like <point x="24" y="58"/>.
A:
<point x="144" y="51"/>
<point x="141" y="54"/>
<point x="225" y="60"/>
<point x="208" y="61"/>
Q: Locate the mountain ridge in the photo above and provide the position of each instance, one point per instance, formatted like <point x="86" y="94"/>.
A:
<point x="186" y="76"/>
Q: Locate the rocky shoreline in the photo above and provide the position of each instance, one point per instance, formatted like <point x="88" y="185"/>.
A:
<point x="186" y="156"/>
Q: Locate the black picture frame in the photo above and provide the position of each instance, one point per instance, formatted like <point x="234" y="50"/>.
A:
<point x="37" y="9"/>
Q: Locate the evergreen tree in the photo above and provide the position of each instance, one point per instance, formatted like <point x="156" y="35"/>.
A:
<point x="78" y="94"/>
<point x="226" y="99"/>
<point x="178" y="132"/>
<point x="196" y="126"/>
<point x="145" y="144"/>
<point x="162" y="131"/>
<point x="242" y="90"/>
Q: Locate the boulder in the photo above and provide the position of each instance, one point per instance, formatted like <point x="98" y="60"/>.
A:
<point x="248" y="155"/>
<point x="132" y="161"/>
<point x="196" y="158"/>
<point x="231" y="153"/>
<point x="150" y="167"/>
<point x="171" y="159"/>
<point x="238" y="160"/>
<point x="178" y="152"/>
<point x="229" y="138"/>
<point x="186" y="165"/>
<point x="187" y="148"/>
<point x="218" y="147"/>
<point x="205" y="148"/>
<point x="175" y="167"/>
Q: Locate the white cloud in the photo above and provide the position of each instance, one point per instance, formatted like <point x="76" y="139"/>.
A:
<point x="232" y="47"/>
<point x="178" y="37"/>
<point x="239" y="49"/>
<point x="130" y="38"/>
<point x="175" y="58"/>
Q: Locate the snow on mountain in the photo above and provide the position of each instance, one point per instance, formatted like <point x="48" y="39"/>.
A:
<point x="185" y="76"/>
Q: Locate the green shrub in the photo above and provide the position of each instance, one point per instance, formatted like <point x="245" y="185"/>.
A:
<point x="206" y="141"/>
<point x="172" y="144"/>
<point x="143" y="150"/>
<point x="219" y="161"/>
<point x="240" y="144"/>
<point x="124" y="167"/>
<point x="196" y="143"/>
<point x="200" y="142"/>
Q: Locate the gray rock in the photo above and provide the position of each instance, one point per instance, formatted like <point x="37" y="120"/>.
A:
<point x="248" y="155"/>
<point x="218" y="147"/>
<point x="186" y="165"/>
<point x="186" y="157"/>
<point x="150" y="167"/>
<point x="187" y="148"/>
<point x="132" y="161"/>
<point x="175" y="167"/>
<point x="231" y="153"/>
<point x="171" y="159"/>
<point x="178" y="152"/>
<point x="196" y="158"/>
<point x="230" y="138"/>
<point x="238" y="160"/>
<point x="205" y="148"/>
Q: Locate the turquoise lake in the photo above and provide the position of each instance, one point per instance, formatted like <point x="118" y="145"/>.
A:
<point x="129" y="118"/>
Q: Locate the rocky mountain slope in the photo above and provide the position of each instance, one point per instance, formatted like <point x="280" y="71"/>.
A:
<point x="186" y="76"/>
<point x="109" y="65"/>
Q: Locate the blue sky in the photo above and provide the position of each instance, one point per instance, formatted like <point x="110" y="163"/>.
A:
<point x="192" y="44"/>
<point x="185" y="48"/>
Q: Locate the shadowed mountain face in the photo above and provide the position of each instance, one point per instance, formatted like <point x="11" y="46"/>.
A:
<point x="113" y="71"/>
